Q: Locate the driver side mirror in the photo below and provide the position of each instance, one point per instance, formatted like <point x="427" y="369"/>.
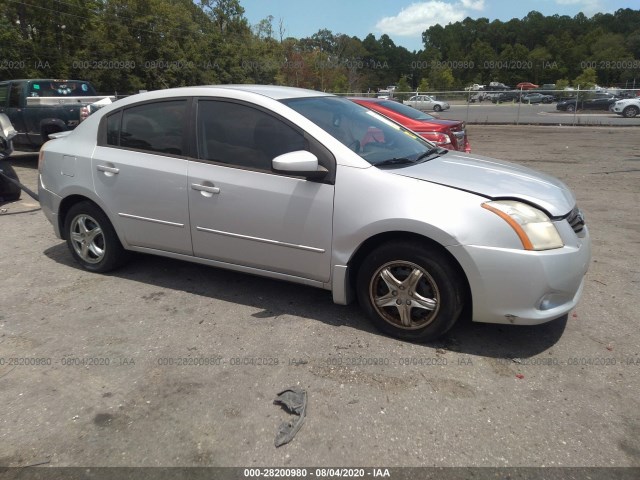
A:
<point x="300" y="162"/>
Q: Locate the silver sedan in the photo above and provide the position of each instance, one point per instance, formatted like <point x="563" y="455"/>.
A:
<point x="425" y="102"/>
<point x="311" y="188"/>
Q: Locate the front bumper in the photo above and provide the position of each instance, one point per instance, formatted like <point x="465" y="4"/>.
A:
<point x="525" y="287"/>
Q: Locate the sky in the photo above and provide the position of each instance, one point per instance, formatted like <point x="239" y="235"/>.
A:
<point x="405" y="20"/>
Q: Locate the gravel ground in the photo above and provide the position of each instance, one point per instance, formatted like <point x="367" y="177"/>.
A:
<point x="165" y="363"/>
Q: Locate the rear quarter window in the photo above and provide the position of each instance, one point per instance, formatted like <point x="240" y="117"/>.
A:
<point x="153" y="127"/>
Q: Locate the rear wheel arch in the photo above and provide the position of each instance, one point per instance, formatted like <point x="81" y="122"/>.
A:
<point x="630" y="111"/>
<point x="91" y="238"/>
<point x="68" y="202"/>
<point x="65" y="206"/>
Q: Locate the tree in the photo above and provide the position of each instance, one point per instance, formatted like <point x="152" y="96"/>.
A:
<point x="402" y="86"/>
<point x="587" y="79"/>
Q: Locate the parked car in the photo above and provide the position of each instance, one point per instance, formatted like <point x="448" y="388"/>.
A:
<point x="526" y="86"/>
<point x="449" y="134"/>
<point x="511" y="96"/>
<point x="536" y="98"/>
<point x="425" y="102"/>
<point x="598" y="101"/>
<point x="38" y="108"/>
<point x="628" y="108"/>
<point x="312" y="188"/>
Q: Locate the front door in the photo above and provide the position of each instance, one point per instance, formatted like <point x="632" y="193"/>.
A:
<point x="241" y="211"/>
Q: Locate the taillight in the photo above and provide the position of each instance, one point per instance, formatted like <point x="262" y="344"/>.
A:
<point x="438" y="138"/>
<point x="84" y="113"/>
<point x="40" y="160"/>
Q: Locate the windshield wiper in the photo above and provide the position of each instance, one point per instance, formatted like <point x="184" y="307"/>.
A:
<point x="422" y="157"/>
<point x="432" y="151"/>
<point x="394" y="161"/>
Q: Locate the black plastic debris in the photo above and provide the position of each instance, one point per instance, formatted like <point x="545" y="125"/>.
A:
<point x="294" y="400"/>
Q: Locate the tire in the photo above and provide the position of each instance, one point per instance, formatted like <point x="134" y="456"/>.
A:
<point x="437" y="108"/>
<point x="46" y="131"/>
<point x="419" y="310"/>
<point x="9" y="192"/>
<point x="630" y="112"/>
<point x="91" y="239"/>
<point x="571" y="108"/>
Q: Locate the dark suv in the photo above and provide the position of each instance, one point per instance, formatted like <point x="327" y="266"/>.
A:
<point x="588" y="101"/>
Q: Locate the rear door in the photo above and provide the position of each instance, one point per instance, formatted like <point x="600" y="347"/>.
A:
<point x="140" y="174"/>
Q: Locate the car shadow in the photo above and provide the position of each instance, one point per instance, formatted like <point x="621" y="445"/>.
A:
<point x="275" y="298"/>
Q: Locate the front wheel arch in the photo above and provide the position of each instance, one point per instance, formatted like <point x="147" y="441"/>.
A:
<point x="411" y="290"/>
<point x="372" y="243"/>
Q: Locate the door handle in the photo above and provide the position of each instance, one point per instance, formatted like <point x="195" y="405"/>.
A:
<point x="205" y="188"/>
<point x="104" y="168"/>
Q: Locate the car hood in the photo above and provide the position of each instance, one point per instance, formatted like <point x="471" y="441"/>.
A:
<point x="494" y="179"/>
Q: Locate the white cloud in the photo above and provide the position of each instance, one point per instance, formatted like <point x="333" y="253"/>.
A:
<point x="473" y="4"/>
<point x="417" y="17"/>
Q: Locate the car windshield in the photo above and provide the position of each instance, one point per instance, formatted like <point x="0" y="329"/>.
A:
<point x="50" y="88"/>
<point x="406" y="110"/>
<point x="372" y="136"/>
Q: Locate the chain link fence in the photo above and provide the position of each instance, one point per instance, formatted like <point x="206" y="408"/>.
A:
<point x="521" y="107"/>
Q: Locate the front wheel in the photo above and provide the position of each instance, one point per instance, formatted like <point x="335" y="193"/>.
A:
<point x="92" y="239"/>
<point x="571" y="108"/>
<point x="410" y="290"/>
<point x="437" y="108"/>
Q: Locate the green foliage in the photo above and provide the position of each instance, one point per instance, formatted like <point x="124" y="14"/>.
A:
<point x="126" y="45"/>
<point x="587" y="79"/>
<point x="402" y="86"/>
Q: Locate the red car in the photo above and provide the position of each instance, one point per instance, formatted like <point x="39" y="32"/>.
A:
<point x="450" y="134"/>
<point x="526" y="86"/>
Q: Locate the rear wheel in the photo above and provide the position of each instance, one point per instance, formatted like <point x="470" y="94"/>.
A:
<point x="410" y="290"/>
<point x="630" y="112"/>
<point x="91" y="238"/>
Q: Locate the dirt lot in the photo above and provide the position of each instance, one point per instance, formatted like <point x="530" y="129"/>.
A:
<point x="112" y="388"/>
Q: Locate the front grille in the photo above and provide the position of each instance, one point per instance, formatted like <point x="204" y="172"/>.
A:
<point x="576" y="220"/>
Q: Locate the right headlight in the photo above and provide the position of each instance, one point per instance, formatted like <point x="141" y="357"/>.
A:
<point x="533" y="226"/>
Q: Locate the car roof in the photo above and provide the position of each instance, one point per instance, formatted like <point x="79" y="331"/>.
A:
<point x="277" y="92"/>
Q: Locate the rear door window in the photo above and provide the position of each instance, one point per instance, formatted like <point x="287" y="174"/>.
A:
<point x="154" y="127"/>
